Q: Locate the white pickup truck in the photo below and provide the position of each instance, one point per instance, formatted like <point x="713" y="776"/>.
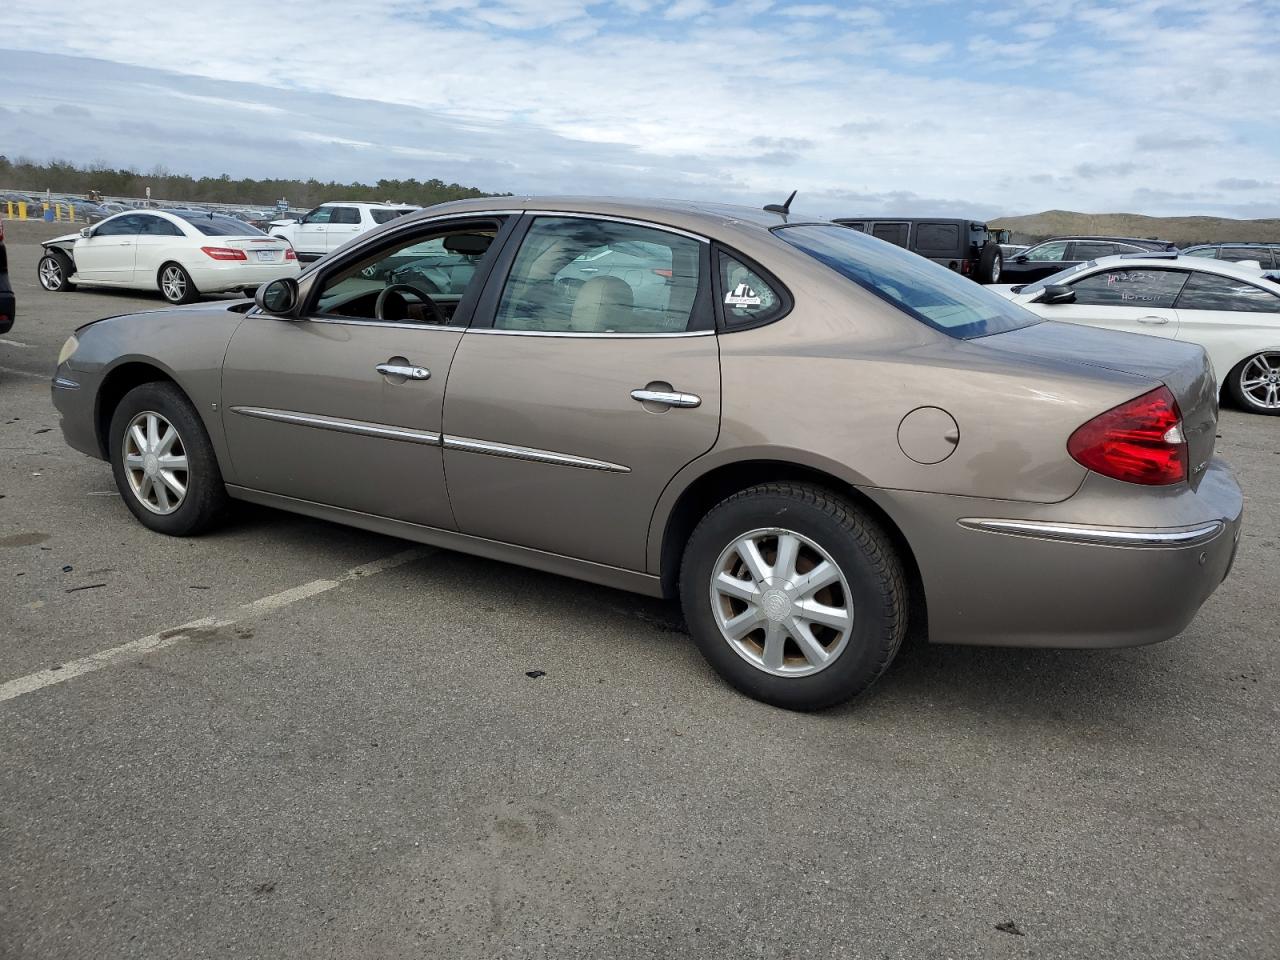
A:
<point x="332" y="224"/>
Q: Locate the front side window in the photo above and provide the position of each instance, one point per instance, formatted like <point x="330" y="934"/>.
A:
<point x="119" y="226"/>
<point x="1052" y="252"/>
<point x="748" y="297"/>
<point x="1156" y="289"/>
<point x="576" y="275"/>
<point x="1209" y="291"/>
<point x="932" y="294"/>
<point x="347" y="215"/>
<point x="414" y="280"/>
<point x="318" y="215"/>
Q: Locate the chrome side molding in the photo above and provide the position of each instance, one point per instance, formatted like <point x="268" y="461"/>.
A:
<point x="531" y="453"/>
<point x="361" y="427"/>
<point x="1098" y="536"/>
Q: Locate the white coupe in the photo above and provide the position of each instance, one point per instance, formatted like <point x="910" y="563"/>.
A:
<point x="1230" y="309"/>
<point x="181" y="253"/>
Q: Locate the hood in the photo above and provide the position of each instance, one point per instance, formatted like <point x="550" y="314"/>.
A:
<point x="65" y="238"/>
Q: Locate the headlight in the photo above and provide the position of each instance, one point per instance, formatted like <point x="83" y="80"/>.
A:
<point x="68" y="349"/>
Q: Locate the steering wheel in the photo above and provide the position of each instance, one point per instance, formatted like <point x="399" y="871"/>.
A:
<point x="379" y="307"/>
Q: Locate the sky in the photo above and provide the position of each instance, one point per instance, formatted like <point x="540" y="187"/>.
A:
<point x="1168" y="107"/>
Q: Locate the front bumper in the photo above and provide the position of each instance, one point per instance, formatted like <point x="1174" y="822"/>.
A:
<point x="76" y="408"/>
<point x="1047" y="575"/>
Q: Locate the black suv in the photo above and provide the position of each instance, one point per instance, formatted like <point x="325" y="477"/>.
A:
<point x="1266" y="254"/>
<point x="965" y="246"/>
<point x="7" y="306"/>
<point x="1047" y="258"/>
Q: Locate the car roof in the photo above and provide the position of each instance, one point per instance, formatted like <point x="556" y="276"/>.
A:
<point x="1146" y="241"/>
<point x="370" y="204"/>
<point x="1235" y="243"/>
<point x="694" y="216"/>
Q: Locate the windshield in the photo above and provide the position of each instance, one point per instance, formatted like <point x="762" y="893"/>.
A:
<point x="1059" y="277"/>
<point x="932" y="294"/>
<point x="217" y="225"/>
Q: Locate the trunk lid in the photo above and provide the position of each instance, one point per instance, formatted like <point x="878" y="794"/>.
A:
<point x="1182" y="367"/>
<point x="258" y="249"/>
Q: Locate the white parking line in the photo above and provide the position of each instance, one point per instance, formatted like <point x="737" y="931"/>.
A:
<point x="15" y="343"/>
<point x="167" y="638"/>
<point x="24" y="373"/>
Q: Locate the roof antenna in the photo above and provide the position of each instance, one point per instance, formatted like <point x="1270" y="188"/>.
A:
<point x="782" y="208"/>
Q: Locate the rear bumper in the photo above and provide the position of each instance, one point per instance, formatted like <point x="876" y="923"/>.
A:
<point x="239" y="275"/>
<point x="1045" y="576"/>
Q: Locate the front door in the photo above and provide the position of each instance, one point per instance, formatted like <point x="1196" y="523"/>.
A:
<point x="313" y="233"/>
<point x="587" y="382"/>
<point x="343" y="407"/>
<point x="106" y="255"/>
<point x="1035" y="263"/>
<point x="1134" y="300"/>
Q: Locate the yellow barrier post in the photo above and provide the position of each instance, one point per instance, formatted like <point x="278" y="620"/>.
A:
<point x="71" y="212"/>
<point x="22" y="209"/>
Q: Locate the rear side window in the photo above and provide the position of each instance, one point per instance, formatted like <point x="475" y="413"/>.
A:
<point x="895" y="233"/>
<point x="345" y="215"/>
<point x="940" y="238"/>
<point x="215" y="225"/>
<point x="577" y="275"/>
<point x="385" y="216"/>
<point x="932" y="294"/>
<point x="1157" y="289"/>
<point x="1093" y="250"/>
<point x="159" y="227"/>
<point x="748" y="297"/>
<point x="1208" y="291"/>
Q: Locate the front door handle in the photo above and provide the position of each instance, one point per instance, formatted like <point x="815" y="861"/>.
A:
<point x="407" y="370"/>
<point x="1153" y="320"/>
<point x="668" y="398"/>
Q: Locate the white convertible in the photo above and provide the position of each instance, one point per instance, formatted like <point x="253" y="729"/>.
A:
<point x="1230" y="309"/>
<point x="181" y="253"/>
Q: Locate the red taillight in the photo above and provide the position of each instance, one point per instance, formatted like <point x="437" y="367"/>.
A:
<point x="1139" y="442"/>
<point x="224" y="253"/>
<point x="289" y="254"/>
<point x="964" y="267"/>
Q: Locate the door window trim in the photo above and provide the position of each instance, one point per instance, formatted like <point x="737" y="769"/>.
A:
<point x="703" y="319"/>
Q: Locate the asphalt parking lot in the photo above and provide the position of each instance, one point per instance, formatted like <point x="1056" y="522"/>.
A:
<point x="346" y="756"/>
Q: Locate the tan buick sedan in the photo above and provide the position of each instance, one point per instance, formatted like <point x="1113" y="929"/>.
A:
<point x="806" y="434"/>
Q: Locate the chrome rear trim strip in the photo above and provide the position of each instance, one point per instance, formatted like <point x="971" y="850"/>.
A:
<point x="1098" y="536"/>
<point x="337" y="424"/>
<point x="531" y="453"/>
<point x="62" y="383"/>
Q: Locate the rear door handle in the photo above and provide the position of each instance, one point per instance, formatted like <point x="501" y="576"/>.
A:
<point x="406" y="370"/>
<point x="1152" y="321"/>
<point x="668" y="398"/>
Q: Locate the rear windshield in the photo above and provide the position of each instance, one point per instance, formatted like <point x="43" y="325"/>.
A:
<point x="217" y="225"/>
<point x="386" y="216"/>
<point x="934" y="295"/>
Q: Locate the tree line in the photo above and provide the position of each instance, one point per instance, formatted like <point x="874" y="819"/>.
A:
<point x="61" y="176"/>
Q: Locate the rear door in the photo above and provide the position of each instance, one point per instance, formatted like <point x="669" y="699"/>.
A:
<point x="590" y="378"/>
<point x="107" y="254"/>
<point x="1035" y="263"/>
<point x="344" y="225"/>
<point x="1136" y="300"/>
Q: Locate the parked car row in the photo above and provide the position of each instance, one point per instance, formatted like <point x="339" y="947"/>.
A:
<point x="807" y="435"/>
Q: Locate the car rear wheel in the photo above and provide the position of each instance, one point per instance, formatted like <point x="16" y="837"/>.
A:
<point x="55" y="270"/>
<point x="1254" y="383"/>
<point x="794" y="595"/>
<point x="163" y="462"/>
<point x="176" y="285"/>
<point x="990" y="264"/>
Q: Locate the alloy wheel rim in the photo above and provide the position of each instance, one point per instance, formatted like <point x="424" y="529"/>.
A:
<point x="1260" y="381"/>
<point x="781" y="602"/>
<point x="155" y="461"/>
<point x="995" y="271"/>
<point x="50" y="273"/>
<point x="173" y="283"/>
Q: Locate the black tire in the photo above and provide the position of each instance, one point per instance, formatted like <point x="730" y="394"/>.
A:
<point x="182" y="290"/>
<point x="1241" y="372"/>
<point x="55" y="271"/>
<point x="861" y="550"/>
<point x="205" y="502"/>
<point x="990" y="263"/>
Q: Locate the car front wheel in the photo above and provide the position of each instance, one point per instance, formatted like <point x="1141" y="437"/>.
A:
<point x="794" y="595"/>
<point x="55" y="270"/>
<point x="1254" y="383"/>
<point x="163" y="462"/>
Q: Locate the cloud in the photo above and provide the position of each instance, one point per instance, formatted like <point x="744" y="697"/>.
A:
<point x="1095" y="171"/>
<point x="1174" y="141"/>
<point x="1236" y="183"/>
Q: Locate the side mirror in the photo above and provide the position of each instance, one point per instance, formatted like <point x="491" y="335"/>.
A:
<point x="278" y="297"/>
<point x="1058" y="293"/>
<point x="1020" y="258"/>
<point x="86" y="232"/>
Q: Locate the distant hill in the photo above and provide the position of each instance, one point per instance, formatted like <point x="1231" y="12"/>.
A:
<point x="1183" y="231"/>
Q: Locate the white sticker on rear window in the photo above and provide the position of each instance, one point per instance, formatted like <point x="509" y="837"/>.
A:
<point x="743" y="296"/>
